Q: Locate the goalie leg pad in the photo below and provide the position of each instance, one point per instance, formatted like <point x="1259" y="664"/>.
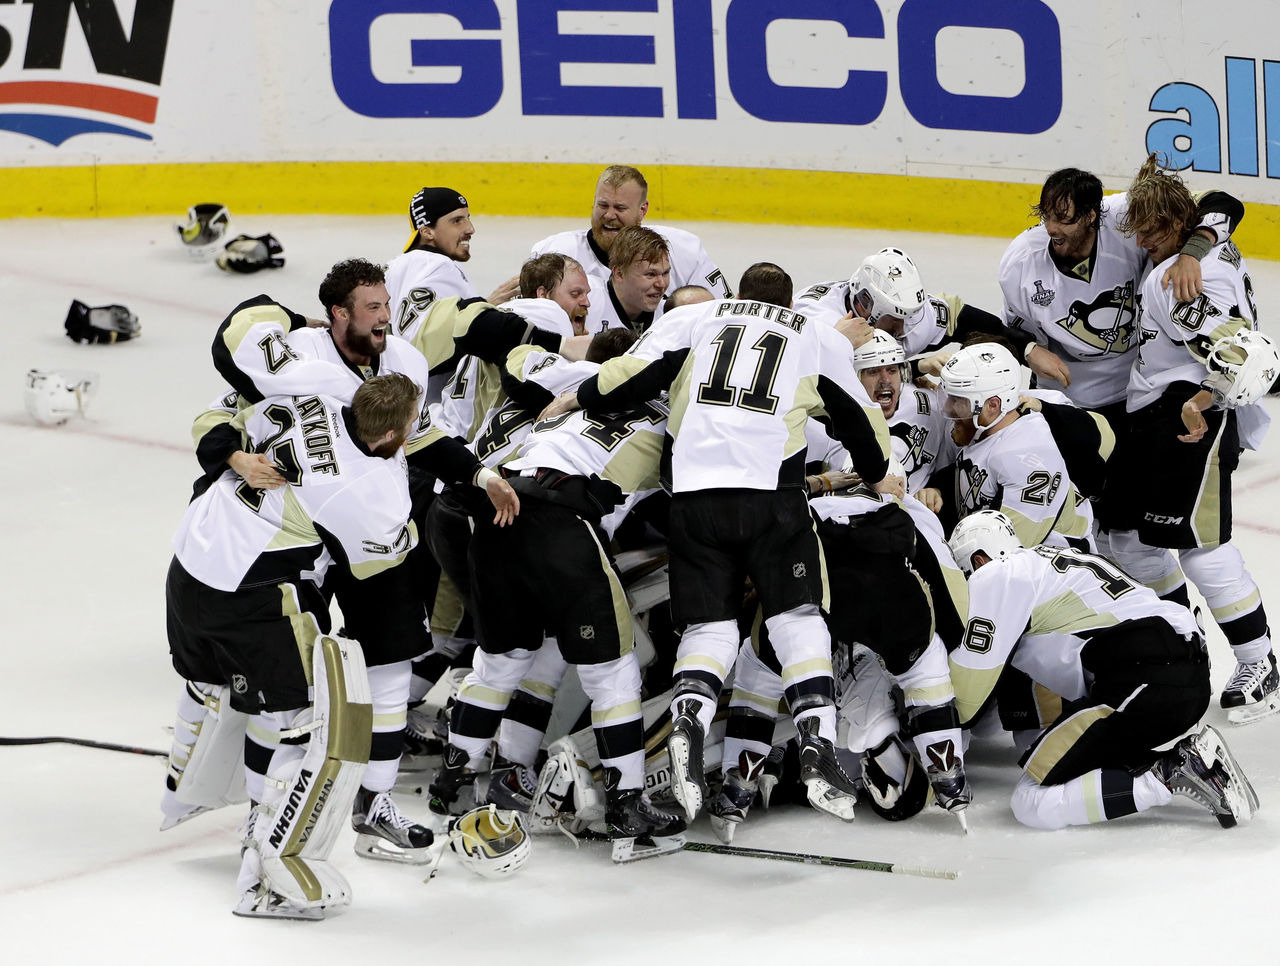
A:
<point x="311" y="805"/>
<point x="566" y="798"/>
<point x="864" y="698"/>
<point x="206" y="762"/>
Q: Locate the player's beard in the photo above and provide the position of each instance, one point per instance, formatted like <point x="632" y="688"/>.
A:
<point x="365" y="344"/>
<point x="963" y="431"/>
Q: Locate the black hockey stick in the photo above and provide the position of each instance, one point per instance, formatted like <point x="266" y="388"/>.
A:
<point x="810" y="859"/>
<point x="86" y="743"/>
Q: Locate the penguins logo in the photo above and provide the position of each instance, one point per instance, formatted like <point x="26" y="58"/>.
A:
<point x="1106" y="323"/>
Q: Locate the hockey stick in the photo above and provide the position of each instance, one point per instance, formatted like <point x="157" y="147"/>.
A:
<point x="810" y="859"/>
<point x="86" y="743"/>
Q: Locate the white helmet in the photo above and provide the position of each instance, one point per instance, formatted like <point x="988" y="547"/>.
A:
<point x="494" y="843"/>
<point x="986" y="531"/>
<point x="1243" y="368"/>
<point x="203" y="230"/>
<point x="975" y="374"/>
<point x="887" y="283"/>
<point x="54" y="396"/>
<point x="882" y="350"/>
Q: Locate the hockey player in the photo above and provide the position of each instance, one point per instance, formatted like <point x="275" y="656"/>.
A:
<point x="744" y="375"/>
<point x="561" y="279"/>
<point x="886" y="290"/>
<point x="621" y="201"/>
<point x="1188" y="389"/>
<point x="552" y="572"/>
<point x="1009" y="460"/>
<point x="1132" y="671"/>
<point x="262" y="348"/>
<point x="639" y="274"/>
<point x="248" y="631"/>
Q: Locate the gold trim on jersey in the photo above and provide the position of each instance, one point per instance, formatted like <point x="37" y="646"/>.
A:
<point x="1066" y="614"/>
<point x="618" y="370"/>
<point x="296" y="526"/>
<point x="1048" y="704"/>
<point x="933" y="694"/>
<point x="973" y="685"/>
<point x="432" y="435"/>
<point x="1106" y="435"/>
<point x="434" y="335"/>
<point x="1031" y="533"/>
<point x="370" y="568"/>
<point x="210" y="420"/>
<point x="305" y="629"/>
<point x="1055" y="744"/>
<point x="1227" y="611"/>
<point x="635" y="465"/>
<point x="238" y="325"/>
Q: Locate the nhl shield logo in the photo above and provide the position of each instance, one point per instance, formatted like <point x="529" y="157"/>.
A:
<point x="798" y="570"/>
<point x="1043" y="297"/>
<point x="587" y="632"/>
<point x="238" y="684"/>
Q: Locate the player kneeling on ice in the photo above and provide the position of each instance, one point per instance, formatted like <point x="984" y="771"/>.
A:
<point x="1131" y="668"/>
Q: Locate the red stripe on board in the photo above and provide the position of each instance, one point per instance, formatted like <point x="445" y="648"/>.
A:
<point x="95" y="97"/>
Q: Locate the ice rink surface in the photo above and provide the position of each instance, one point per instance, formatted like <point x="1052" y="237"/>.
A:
<point x="87" y="516"/>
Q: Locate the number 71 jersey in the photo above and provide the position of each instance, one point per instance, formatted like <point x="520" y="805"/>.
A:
<point x="1038" y="610"/>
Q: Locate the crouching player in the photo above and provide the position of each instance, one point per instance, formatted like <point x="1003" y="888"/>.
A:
<point x="1131" y="668"/>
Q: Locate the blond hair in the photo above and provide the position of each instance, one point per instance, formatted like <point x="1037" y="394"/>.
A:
<point x="616" y="175"/>
<point x="384" y="404"/>
<point x="637" y="244"/>
<point x="1158" y="202"/>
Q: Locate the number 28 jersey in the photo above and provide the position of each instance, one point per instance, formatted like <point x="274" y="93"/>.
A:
<point x="1037" y="610"/>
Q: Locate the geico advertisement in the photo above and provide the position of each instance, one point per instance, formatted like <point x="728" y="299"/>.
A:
<point x="998" y="90"/>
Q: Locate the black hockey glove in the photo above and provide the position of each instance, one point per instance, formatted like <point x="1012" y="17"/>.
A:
<point x="106" y="323"/>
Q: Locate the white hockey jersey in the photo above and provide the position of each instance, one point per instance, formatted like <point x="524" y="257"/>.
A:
<point x="1019" y="471"/>
<point x="1036" y="611"/>
<point x="476" y="386"/>
<point x="690" y="264"/>
<point x="1088" y="315"/>
<point x="926" y="332"/>
<point x="415" y="281"/>
<point x="341" y="503"/>
<point x="744" y="377"/>
<point x="1176" y="336"/>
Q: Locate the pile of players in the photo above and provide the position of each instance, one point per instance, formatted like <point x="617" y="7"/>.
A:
<point x="854" y="513"/>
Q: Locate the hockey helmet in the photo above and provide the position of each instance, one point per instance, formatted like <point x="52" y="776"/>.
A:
<point x="1242" y="368"/>
<point x="887" y="283"/>
<point x="494" y="843"/>
<point x="204" y="229"/>
<point x="975" y="374"/>
<point x="986" y="531"/>
<point x="54" y="396"/>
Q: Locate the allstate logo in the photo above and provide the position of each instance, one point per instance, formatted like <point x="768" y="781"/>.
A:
<point x="44" y="98"/>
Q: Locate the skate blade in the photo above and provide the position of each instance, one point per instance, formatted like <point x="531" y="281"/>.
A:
<point x="1255" y="712"/>
<point x="724" y="828"/>
<point x="962" y="819"/>
<point x="375" y="847"/>
<point x="687" y="792"/>
<point x="646" y="847"/>
<point x="826" y="798"/>
<point x="1241" y="797"/>
<point x="255" y="906"/>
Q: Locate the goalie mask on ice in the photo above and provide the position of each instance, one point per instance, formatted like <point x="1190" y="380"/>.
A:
<point x="52" y="396"/>
<point x="204" y="229"/>
<point x="493" y="843"/>
<point x="246" y="254"/>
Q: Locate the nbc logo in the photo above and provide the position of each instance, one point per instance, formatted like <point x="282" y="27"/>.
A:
<point x="91" y="73"/>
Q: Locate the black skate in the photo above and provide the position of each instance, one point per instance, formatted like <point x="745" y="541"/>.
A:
<point x="1253" y="691"/>
<point x="383" y="832"/>
<point x="729" y="808"/>
<point x="511" y="786"/>
<point x="828" y="788"/>
<point x="450" y="780"/>
<point x="637" y="829"/>
<point x="688" y="783"/>
<point x="1202" y="768"/>
<point x="950" y="785"/>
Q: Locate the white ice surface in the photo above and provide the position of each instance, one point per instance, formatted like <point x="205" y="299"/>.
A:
<point x="86" y="518"/>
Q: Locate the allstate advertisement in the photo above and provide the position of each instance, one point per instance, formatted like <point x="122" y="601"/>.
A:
<point x="1002" y="90"/>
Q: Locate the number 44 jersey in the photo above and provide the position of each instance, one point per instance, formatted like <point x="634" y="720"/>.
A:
<point x="744" y="377"/>
<point x="1038" y="610"/>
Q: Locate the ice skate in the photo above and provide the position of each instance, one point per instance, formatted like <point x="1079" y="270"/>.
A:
<point x="729" y="808"/>
<point x="1253" y="691"/>
<point x="446" y="788"/>
<point x="1202" y="768"/>
<point x="950" y="785"/>
<point x="829" y="789"/>
<point x="511" y="786"/>
<point x="422" y="743"/>
<point x="261" y="903"/>
<point x="383" y="832"/>
<point x="636" y="828"/>
<point x="684" y="747"/>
